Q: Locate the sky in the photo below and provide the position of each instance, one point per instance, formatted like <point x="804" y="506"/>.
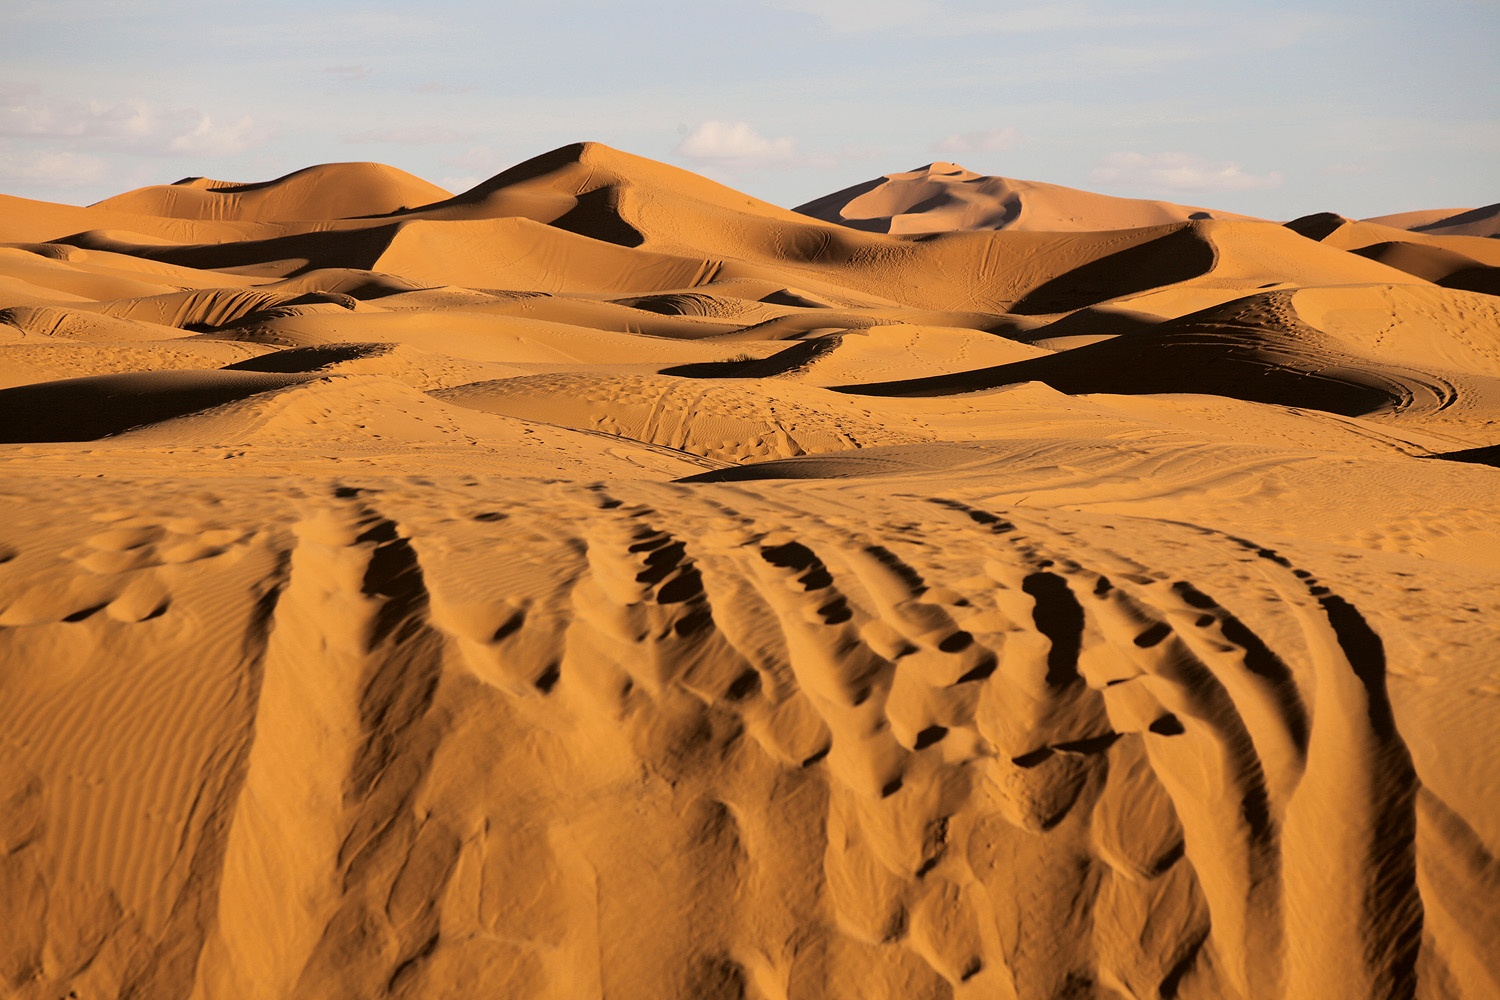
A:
<point x="1273" y="108"/>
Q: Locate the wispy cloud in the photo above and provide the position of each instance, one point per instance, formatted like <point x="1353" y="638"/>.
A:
<point x="130" y="125"/>
<point x="51" y="169"/>
<point x="1177" y="173"/>
<point x="721" y="148"/>
<point x="737" y="146"/>
<point x="208" y="139"/>
<point x="25" y="112"/>
<point x="994" y="140"/>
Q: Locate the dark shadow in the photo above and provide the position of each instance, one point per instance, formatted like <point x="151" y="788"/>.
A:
<point x="353" y="248"/>
<point x="1426" y="262"/>
<point x="827" y="208"/>
<point x="1480" y="214"/>
<point x="1166" y="260"/>
<point x="1484" y="280"/>
<point x="1057" y="615"/>
<point x="308" y="359"/>
<point x="785" y="297"/>
<point x="597" y="216"/>
<point x="1178" y="358"/>
<point x="1487" y="455"/>
<point x="1087" y="323"/>
<point x="797" y="356"/>
<point x="537" y="166"/>
<point x="85" y="409"/>
<point x="1318" y="226"/>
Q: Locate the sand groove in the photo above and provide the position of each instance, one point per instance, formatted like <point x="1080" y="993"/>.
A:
<point x="971" y="746"/>
<point x="602" y="583"/>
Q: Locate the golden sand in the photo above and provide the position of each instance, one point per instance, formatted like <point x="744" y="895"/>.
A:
<point x="602" y="583"/>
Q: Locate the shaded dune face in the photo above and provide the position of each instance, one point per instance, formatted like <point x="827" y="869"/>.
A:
<point x="944" y="197"/>
<point x="1257" y="349"/>
<point x="603" y="583"/>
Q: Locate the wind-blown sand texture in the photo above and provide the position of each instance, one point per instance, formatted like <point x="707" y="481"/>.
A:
<point x="603" y="583"/>
<point x="942" y="197"/>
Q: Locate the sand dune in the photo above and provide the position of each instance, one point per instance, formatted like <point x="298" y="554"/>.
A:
<point x="943" y="197"/>
<point x="1483" y="221"/>
<point x="328" y="191"/>
<point x="603" y="583"/>
<point x="1471" y="263"/>
<point x="607" y="194"/>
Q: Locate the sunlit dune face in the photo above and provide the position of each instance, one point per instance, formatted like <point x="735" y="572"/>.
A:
<point x="600" y="582"/>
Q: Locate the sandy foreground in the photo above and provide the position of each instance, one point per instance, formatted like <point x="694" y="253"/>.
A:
<point x="601" y="583"/>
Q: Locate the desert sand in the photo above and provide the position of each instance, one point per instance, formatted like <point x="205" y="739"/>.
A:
<point x="942" y="197"/>
<point x="603" y="583"/>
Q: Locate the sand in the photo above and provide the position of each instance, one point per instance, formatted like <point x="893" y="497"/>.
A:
<point x="942" y="197"/>
<point x="604" y="583"/>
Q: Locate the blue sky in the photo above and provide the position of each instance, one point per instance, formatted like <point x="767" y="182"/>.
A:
<point x="1272" y="108"/>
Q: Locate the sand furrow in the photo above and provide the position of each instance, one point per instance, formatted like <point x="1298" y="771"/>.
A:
<point x="602" y="583"/>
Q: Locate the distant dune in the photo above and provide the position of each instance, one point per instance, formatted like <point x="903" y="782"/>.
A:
<point x="329" y="191"/>
<point x="1448" y="222"/>
<point x="943" y="197"/>
<point x="603" y="583"/>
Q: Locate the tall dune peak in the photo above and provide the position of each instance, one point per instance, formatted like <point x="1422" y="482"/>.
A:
<point x="944" y="197"/>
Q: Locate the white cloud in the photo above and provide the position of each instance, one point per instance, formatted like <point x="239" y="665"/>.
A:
<point x="736" y="145"/>
<point x="51" y="169"/>
<point x="1345" y="170"/>
<point x="723" y="149"/>
<point x="995" y="140"/>
<point x="131" y="125"/>
<point x="412" y="135"/>
<point x="1176" y="173"/>
<point x="208" y="139"/>
<point x="25" y="112"/>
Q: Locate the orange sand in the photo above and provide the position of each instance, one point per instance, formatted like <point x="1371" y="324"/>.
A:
<point x="603" y="583"/>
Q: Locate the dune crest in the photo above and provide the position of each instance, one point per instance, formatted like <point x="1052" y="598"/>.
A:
<point x="1483" y="221"/>
<point x="328" y="191"/>
<point x="942" y="197"/>
<point x="601" y="582"/>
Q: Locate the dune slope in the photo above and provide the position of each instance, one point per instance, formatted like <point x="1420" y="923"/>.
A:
<point x="942" y="197"/>
<point x="603" y="583"/>
<point x="328" y="191"/>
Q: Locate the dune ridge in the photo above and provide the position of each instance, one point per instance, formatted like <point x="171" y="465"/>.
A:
<point x="327" y="191"/>
<point x="604" y="583"/>
<point x="1483" y="221"/>
<point x="943" y="197"/>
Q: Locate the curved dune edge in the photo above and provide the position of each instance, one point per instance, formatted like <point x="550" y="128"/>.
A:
<point x="604" y="583"/>
<point x="943" y="197"/>
<point x="328" y="191"/>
